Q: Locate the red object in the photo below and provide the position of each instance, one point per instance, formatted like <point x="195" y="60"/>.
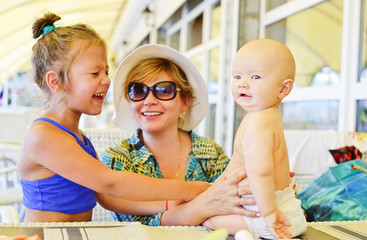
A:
<point x="346" y="154"/>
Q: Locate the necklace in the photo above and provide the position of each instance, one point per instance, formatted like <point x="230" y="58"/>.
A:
<point x="180" y="162"/>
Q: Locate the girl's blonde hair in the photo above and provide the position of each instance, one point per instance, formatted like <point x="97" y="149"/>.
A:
<point x="147" y="70"/>
<point x="57" y="49"/>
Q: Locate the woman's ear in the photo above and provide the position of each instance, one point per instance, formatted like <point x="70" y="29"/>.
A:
<point x="186" y="104"/>
<point x="287" y="86"/>
<point x="52" y="80"/>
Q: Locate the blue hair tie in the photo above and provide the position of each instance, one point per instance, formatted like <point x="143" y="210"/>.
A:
<point x="48" y="29"/>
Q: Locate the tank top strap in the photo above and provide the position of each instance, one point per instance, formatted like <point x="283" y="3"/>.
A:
<point x="56" y="124"/>
<point x="80" y="142"/>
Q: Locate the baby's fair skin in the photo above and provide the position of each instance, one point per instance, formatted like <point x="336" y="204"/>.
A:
<point x="263" y="73"/>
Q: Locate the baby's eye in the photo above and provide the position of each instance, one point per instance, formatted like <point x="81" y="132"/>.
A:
<point x="95" y="74"/>
<point x="255" y="77"/>
<point x="237" y="77"/>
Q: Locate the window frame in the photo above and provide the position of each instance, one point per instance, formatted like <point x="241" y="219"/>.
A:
<point x="350" y="90"/>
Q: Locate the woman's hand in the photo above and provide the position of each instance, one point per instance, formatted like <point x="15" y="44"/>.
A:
<point x="221" y="198"/>
<point x="224" y="196"/>
<point x="195" y="188"/>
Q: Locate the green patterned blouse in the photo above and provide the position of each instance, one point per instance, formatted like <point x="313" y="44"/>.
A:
<point x="206" y="162"/>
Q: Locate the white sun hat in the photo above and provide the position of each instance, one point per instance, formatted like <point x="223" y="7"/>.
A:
<point x="123" y="117"/>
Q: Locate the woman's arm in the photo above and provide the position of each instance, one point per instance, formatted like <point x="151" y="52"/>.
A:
<point x="220" y="199"/>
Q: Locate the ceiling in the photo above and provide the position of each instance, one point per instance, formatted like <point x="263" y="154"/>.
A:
<point x="17" y="17"/>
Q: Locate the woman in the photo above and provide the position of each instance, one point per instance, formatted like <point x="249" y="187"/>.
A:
<point x="160" y="93"/>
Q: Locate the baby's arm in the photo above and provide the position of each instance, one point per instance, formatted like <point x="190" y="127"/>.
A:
<point x="258" y="147"/>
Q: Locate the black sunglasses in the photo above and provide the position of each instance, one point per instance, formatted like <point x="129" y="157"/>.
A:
<point x="163" y="91"/>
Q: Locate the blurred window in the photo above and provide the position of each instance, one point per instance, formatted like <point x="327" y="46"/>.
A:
<point x="361" y="116"/>
<point x="214" y="67"/>
<point x="195" y="34"/>
<point x="215" y="23"/>
<point x="315" y="38"/>
<point x="363" y="57"/>
<point x="270" y="4"/>
<point x="310" y="115"/>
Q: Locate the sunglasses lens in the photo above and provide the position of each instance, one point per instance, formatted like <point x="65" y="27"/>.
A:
<point x="137" y="91"/>
<point x="165" y="90"/>
<point x="162" y="91"/>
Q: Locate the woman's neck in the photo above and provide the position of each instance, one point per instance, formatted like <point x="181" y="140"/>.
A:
<point x="159" y="139"/>
<point x="171" y="150"/>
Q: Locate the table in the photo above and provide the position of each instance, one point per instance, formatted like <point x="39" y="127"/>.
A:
<point x="103" y="230"/>
<point x="346" y="230"/>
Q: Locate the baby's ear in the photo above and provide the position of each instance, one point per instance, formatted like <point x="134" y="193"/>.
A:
<point x="287" y="86"/>
<point x="52" y="80"/>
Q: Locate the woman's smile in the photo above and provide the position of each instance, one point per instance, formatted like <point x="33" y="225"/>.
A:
<point x="151" y="113"/>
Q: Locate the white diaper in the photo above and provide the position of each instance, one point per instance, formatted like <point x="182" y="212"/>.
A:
<point x="286" y="202"/>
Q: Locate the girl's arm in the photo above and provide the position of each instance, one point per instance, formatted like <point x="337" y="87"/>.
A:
<point x="130" y="207"/>
<point x="58" y="152"/>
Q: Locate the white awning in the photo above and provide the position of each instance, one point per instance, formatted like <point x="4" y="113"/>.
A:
<point x="18" y="16"/>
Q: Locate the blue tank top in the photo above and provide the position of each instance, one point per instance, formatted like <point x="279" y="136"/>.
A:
<point x="57" y="193"/>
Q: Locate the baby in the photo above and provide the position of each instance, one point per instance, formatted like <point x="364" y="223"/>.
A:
<point x="262" y="75"/>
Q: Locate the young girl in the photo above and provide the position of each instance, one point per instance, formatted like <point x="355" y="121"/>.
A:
<point x="58" y="165"/>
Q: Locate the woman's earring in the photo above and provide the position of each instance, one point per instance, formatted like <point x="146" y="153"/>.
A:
<point x="181" y="119"/>
<point x="181" y="115"/>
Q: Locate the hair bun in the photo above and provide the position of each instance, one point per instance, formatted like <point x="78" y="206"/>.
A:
<point x="47" y="20"/>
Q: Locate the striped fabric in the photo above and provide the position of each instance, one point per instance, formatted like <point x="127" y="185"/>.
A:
<point x="345" y="230"/>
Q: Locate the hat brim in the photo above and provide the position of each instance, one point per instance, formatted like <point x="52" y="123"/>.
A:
<point x="123" y="117"/>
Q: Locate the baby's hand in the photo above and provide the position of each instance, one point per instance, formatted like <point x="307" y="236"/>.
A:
<point x="278" y="223"/>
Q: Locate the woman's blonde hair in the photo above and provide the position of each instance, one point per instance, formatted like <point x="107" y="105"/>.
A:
<point x="57" y="49"/>
<point x="147" y="70"/>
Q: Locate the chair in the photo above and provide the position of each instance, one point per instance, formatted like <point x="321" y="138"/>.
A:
<point x="101" y="214"/>
<point x="104" y="138"/>
<point x="10" y="192"/>
<point x="101" y="140"/>
<point x="11" y="196"/>
<point x="8" y="214"/>
<point x="10" y="188"/>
